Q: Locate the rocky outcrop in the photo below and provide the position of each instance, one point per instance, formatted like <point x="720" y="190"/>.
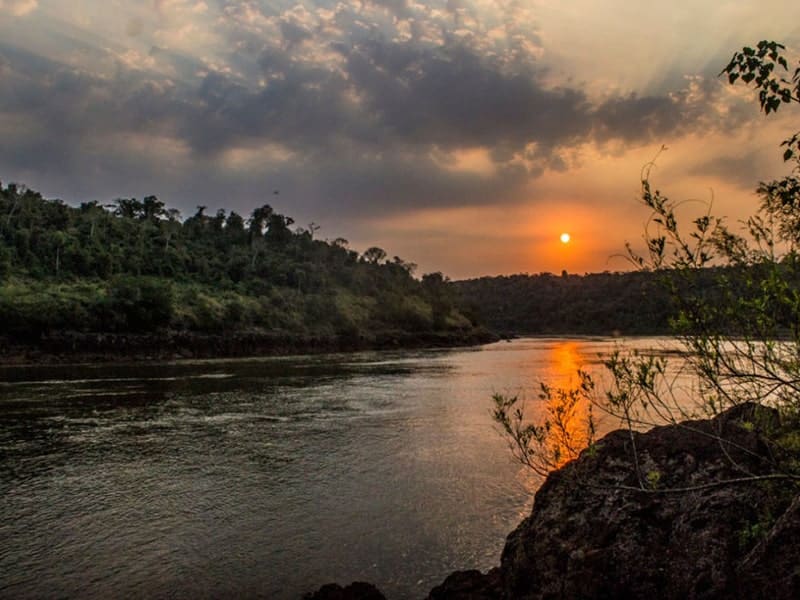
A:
<point x="771" y="569"/>
<point x="469" y="585"/>
<point x="593" y="534"/>
<point x="358" y="590"/>
<point x="691" y="524"/>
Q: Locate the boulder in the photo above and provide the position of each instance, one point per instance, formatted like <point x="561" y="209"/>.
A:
<point x="470" y="585"/>
<point x="594" y="533"/>
<point x="358" y="590"/>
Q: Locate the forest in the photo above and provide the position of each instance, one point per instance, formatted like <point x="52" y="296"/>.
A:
<point x="135" y="267"/>
<point x="640" y="302"/>
<point x="630" y="303"/>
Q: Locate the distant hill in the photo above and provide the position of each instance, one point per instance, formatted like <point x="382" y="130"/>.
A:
<point x="600" y="303"/>
<point x="135" y="267"/>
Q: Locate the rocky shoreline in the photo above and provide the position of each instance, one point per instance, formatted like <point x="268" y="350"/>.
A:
<point x="79" y="347"/>
<point x="689" y="534"/>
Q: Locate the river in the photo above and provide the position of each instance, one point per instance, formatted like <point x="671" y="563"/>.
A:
<point x="265" y="477"/>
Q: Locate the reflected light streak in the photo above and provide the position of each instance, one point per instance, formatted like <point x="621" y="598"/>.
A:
<point x="567" y="408"/>
<point x="564" y="361"/>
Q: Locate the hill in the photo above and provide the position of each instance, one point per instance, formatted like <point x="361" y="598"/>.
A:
<point x="136" y="268"/>
<point x="601" y="303"/>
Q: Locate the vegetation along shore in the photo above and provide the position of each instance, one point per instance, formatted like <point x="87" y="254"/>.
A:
<point x="132" y="280"/>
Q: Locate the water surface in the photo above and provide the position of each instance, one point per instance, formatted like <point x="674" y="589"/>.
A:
<point x="265" y="477"/>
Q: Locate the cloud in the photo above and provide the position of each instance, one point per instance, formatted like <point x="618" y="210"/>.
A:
<point x="355" y="108"/>
<point x="134" y="27"/>
<point x="19" y="8"/>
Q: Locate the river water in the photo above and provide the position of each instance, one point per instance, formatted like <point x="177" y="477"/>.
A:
<point x="265" y="477"/>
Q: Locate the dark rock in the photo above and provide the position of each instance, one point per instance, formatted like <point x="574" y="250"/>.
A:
<point x="71" y="346"/>
<point x="593" y="535"/>
<point x="772" y="570"/>
<point x="470" y="585"/>
<point x="358" y="590"/>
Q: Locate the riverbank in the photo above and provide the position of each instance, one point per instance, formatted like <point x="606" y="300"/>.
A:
<point x="80" y="347"/>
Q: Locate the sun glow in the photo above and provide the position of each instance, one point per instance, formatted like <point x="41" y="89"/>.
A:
<point x="565" y="238"/>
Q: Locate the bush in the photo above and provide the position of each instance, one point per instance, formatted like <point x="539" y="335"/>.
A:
<point x="140" y="304"/>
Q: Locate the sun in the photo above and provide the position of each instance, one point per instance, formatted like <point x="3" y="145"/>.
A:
<point x="565" y="238"/>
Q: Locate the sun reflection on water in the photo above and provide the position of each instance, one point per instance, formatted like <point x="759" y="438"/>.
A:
<point x="565" y="407"/>
<point x="565" y="360"/>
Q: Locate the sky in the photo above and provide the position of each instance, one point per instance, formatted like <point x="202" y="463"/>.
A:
<point x="462" y="135"/>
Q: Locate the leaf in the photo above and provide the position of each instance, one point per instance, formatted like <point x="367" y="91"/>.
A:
<point x="788" y="154"/>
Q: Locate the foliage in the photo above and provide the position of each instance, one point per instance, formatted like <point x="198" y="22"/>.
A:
<point x="595" y="303"/>
<point x="758" y="65"/>
<point x="143" y="303"/>
<point x="555" y="440"/>
<point x="736" y="306"/>
<point x="135" y="266"/>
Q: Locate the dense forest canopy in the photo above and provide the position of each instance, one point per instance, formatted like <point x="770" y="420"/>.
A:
<point x="644" y="302"/>
<point x="599" y="303"/>
<point x="136" y="266"/>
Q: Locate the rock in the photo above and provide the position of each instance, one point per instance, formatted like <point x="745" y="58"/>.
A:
<point x="588" y="537"/>
<point x="469" y="585"/>
<point x="358" y="590"/>
<point x="772" y="570"/>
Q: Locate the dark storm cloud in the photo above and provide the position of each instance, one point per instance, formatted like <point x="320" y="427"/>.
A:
<point x="453" y="97"/>
<point x="363" y="126"/>
<point x="416" y="98"/>
<point x="70" y="107"/>
<point x="294" y="34"/>
<point x="638" y="119"/>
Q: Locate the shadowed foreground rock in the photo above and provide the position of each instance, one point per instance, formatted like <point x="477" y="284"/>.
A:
<point x="589" y="537"/>
<point x="358" y="590"/>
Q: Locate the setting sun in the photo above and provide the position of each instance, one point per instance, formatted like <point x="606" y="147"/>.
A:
<point x="565" y="238"/>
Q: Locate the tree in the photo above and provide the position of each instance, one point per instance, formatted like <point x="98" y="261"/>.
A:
<point x="152" y="209"/>
<point x="257" y="223"/>
<point x="278" y="232"/>
<point x="374" y="255"/>
<point x="757" y="65"/>
<point x="128" y="208"/>
<point x="737" y="299"/>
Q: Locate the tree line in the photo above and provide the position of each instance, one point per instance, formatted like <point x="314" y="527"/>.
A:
<point x="136" y="266"/>
<point x="643" y="302"/>
<point x="598" y="303"/>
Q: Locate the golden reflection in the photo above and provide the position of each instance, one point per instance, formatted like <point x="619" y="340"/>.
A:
<point x="565" y="360"/>
<point x="567" y="409"/>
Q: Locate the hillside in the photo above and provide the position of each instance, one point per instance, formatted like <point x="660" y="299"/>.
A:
<point x="137" y="268"/>
<point x="600" y="303"/>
